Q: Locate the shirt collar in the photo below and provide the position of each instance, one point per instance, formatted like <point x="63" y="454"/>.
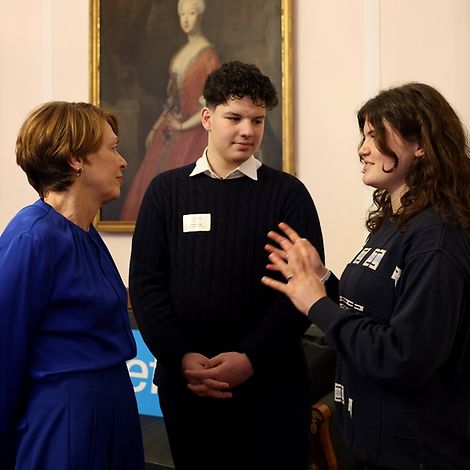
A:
<point x="247" y="168"/>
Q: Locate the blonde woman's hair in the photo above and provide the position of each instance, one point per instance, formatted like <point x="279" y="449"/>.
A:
<point x="52" y="134"/>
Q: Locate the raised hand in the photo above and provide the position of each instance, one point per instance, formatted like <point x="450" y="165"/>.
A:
<point x="298" y="261"/>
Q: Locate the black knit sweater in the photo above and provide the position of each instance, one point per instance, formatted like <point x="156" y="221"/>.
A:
<point x="201" y="291"/>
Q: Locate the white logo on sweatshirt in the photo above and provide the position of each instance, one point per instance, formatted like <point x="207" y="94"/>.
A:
<point x="347" y="304"/>
<point x="374" y="259"/>
<point x="339" y="393"/>
<point x="396" y="274"/>
<point x="361" y="255"/>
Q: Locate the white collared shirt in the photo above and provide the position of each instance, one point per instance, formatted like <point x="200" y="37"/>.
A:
<point x="247" y="168"/>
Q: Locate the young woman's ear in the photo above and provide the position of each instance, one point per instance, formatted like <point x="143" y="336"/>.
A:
<point x="419" y="152"/>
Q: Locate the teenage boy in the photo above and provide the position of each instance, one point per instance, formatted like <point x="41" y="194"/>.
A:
<point x="231" y="374"/>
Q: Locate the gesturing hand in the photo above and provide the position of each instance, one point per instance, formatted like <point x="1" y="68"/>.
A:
<point x="298" y="261"/>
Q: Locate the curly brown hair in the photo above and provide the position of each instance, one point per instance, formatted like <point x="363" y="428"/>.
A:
<point x="236" y="80"/>
<point x="441" y="178"/>
<point x="52" y="134"/>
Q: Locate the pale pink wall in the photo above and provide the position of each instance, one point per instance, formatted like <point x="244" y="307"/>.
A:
<point x="329" y="77"/>
<point x="344" y="51"/>
<point x="21" y="86"/>
<point x="429" y="41"/>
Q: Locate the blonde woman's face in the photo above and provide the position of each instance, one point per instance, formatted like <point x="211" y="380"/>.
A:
<point x="189" y="16"/>
<point x="103" y="173"/>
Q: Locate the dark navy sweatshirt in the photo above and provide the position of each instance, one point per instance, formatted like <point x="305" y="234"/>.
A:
<point x="402" y="337"/>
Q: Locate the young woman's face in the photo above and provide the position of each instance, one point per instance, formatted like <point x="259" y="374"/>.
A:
<point x="189" y="16"/>
<point x="377" y="165"/>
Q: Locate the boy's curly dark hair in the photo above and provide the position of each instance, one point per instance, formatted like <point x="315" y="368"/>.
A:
<point x="238" y="80"/>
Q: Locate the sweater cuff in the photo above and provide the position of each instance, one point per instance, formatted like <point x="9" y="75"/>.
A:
<point x="324" y="313"/>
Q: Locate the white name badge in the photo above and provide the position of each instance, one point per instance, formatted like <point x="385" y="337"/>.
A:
<point x="196" y="223"/>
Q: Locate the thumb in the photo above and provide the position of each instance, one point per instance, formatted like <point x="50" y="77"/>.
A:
<point x="214" y="361"/>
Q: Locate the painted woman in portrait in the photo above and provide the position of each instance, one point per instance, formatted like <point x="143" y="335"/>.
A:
<point x="177" y="136"/>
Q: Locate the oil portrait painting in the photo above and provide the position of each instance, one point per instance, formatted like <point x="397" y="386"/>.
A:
<point x="149" y="61"/>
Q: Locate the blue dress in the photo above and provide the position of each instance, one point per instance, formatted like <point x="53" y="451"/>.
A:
<point x="66" y="400"/>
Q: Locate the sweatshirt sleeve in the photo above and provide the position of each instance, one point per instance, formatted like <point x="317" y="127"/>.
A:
<point x="26" y="280"/>
<point x="417" y="340"/>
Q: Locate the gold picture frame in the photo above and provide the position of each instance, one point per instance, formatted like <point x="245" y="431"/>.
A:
<point x="130" y="52"/>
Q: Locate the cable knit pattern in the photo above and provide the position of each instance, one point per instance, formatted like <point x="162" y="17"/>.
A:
<point x="201" y="291"/>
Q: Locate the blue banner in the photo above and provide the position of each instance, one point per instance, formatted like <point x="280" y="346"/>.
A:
<point x="141" y="370"/>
